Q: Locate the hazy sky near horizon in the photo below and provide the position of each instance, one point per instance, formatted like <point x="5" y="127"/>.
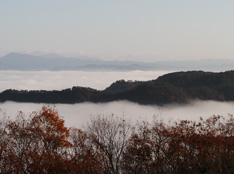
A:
<point x="123" y="29"/>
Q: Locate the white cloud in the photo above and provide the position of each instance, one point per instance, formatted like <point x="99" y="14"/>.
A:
<point x="50" y="80"/>
<point x="77" y="115"/>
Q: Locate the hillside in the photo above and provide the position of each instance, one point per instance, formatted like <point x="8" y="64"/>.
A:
<point x="178" y="87"/>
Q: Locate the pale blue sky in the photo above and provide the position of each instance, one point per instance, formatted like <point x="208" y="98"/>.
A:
<point x="119" y="29"/>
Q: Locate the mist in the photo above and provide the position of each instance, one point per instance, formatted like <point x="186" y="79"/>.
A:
<point x="57" y="80"/>
<point x="77" y="115"/>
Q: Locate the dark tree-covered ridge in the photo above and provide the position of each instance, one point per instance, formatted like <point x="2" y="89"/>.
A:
<point x="177" y="87"/>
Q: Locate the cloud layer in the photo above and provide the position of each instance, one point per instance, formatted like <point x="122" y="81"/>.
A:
<point x="77" y="115"/>
<point x="57" y="80"/>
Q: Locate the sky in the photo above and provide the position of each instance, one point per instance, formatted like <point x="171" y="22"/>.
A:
<point x="125" y="29"/>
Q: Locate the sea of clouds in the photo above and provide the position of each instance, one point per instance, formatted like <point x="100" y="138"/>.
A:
<point x="57" y="80"/>
<point x="77" y="115"/>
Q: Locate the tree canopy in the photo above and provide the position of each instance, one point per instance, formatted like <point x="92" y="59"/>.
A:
<point x="41" y="143"/>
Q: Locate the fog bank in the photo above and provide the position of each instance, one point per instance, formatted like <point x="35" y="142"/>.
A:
<point x="57" y="80"/>
<point x="77" y="115"/>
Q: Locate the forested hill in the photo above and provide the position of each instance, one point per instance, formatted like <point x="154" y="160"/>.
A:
<point x="178" y="87"/>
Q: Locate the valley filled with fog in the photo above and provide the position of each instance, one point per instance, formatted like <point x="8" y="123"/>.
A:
<point x="78" y="114"/>
<point x="57" y="80"/>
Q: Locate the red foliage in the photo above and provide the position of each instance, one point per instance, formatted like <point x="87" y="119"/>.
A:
<point x="41" y="143"/>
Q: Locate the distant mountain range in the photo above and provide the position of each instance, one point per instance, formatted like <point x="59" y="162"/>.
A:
<point x="26" y="62"/>
<point x="178" y="87"/>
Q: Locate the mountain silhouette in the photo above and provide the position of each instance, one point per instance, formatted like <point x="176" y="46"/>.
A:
<point x="178" y="87"/>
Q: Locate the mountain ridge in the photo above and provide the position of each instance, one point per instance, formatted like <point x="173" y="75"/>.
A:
<point x="26" y="62"/>
<point x="178" y="87"/>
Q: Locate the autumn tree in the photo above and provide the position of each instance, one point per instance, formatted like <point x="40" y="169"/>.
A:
<point x="50" y="135"/>
<point x="5" y="142"/>
<point x="109" y="135"/>
<point x="41" y="143"/>
<point x="206" y="146"/>
<point x="137" y="155"/>
<point x="38" y="143"/>
<point x="84" y="159"/>
<point x="146" y="150"/>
